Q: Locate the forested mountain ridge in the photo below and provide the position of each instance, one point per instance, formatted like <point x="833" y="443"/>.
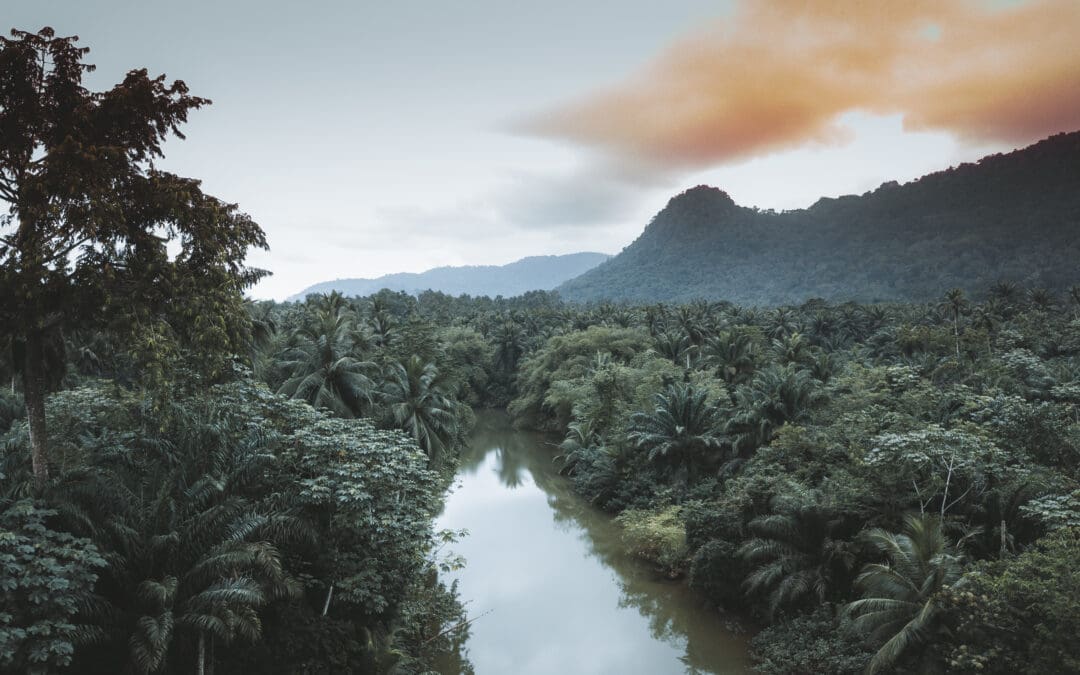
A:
<point x="1009" y="216"/>
<point x="534" y="273"/>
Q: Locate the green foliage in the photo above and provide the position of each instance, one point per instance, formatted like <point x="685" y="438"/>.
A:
<point x="715" y="572"/>
<point x="373" y="491"/>
<point x="899" y="609"/>
<point x="321" y="368"/>
<point x="798" y="552"/>
<point x="567" y="358"/>
<point x="776" y="395"/>
<point x="818" y="642"/>
<point x="89" y="218"/>
<point x="1019" y="615"/>
<point x="46" y="582"/>
<point x="656" y="536"/>
<point x="471" y="360"/>
<point x="11" y="409"/>
<point x="420" y="404"/>
<point x="1055" y="511"/>
<point x="943" y="467"/>
<point x="682" y="432"/>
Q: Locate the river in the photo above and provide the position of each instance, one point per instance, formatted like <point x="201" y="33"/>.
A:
<point x="545" y="575"/>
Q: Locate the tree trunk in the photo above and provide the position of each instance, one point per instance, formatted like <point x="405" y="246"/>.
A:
<point x="34" y="392"/>
<point x="956" y="333"/>
<point x="326" y="605"/>
<point x="200" y="660"/>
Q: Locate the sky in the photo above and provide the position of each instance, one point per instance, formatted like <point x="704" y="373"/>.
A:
<point x="368" y="138"/>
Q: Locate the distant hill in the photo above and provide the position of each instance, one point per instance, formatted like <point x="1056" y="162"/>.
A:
<point x="1012" y="216"/>
<point x="535" y="273"/>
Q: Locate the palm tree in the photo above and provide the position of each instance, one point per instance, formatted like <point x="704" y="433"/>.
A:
<point x="681" y="430"/>
<point x="581" y="438"/>
<point x="1004" y="291"/>
<point x="731" y="353"/>
<point x="217" y="595"/>
<point x="797" y="552"/>
<point x="1041" y="299"/>
<point x="691" y="320"/>
<point x="822" y="327"/>
<point x="675" y="347"/>
<point x="822" y="366"/>
<point x="655" y="317"/>
<point x="782" y="323"/>
<point x="510" y="343"/>
<point x="986" y="317"/>
<point x="954" y="303"/>
<point x="191" y="558"/>
<point x="321" y="366"/>
<point x="898" y="608"/>
<point x="791" y="348"/>
<point x="419" y="404"/>
<point x="775" y="396"/>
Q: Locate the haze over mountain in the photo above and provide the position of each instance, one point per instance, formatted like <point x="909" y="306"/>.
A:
<point x="535" y="273"/>
<point x="1012" y="216"/>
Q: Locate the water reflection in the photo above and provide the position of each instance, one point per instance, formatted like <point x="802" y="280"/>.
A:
<point x="548" y="567"/>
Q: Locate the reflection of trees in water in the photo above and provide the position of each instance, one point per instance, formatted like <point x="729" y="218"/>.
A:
<point x="673" y="614"/>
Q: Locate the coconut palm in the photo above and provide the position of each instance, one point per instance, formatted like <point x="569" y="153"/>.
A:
<point x="322" y="368"/>
<point x="954" y="304"/>
<point x="898" y="609"/>
<point x="419" y="404"/>
<point x="987" y="317"/>
<point x="798" y="552"/>
<point x="681" y="432"/>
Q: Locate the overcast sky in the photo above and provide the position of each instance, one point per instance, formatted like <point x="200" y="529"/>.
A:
<point x="376" y="137"/>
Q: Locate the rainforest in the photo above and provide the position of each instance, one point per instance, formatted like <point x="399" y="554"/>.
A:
<point x="741" y="445"/>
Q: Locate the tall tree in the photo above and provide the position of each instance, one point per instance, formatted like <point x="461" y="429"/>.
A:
<point x="421" y="406"/>
<point x="89" y="216"/>
<point x="322" y="368"/>
<point x="954" y="304"/>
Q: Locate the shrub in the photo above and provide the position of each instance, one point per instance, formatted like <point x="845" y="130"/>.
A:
<point x="657" y="536"/>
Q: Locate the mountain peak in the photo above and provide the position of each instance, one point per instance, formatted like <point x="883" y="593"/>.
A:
<point x="1007" y="216"/>
<point x="705" y="195"/>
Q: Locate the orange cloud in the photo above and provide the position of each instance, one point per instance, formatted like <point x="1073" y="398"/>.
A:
<point x="779" y="73"/>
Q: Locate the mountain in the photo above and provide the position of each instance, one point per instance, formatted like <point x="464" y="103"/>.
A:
<point x="535" y="273"/>
<point x="1012" y="216"/>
